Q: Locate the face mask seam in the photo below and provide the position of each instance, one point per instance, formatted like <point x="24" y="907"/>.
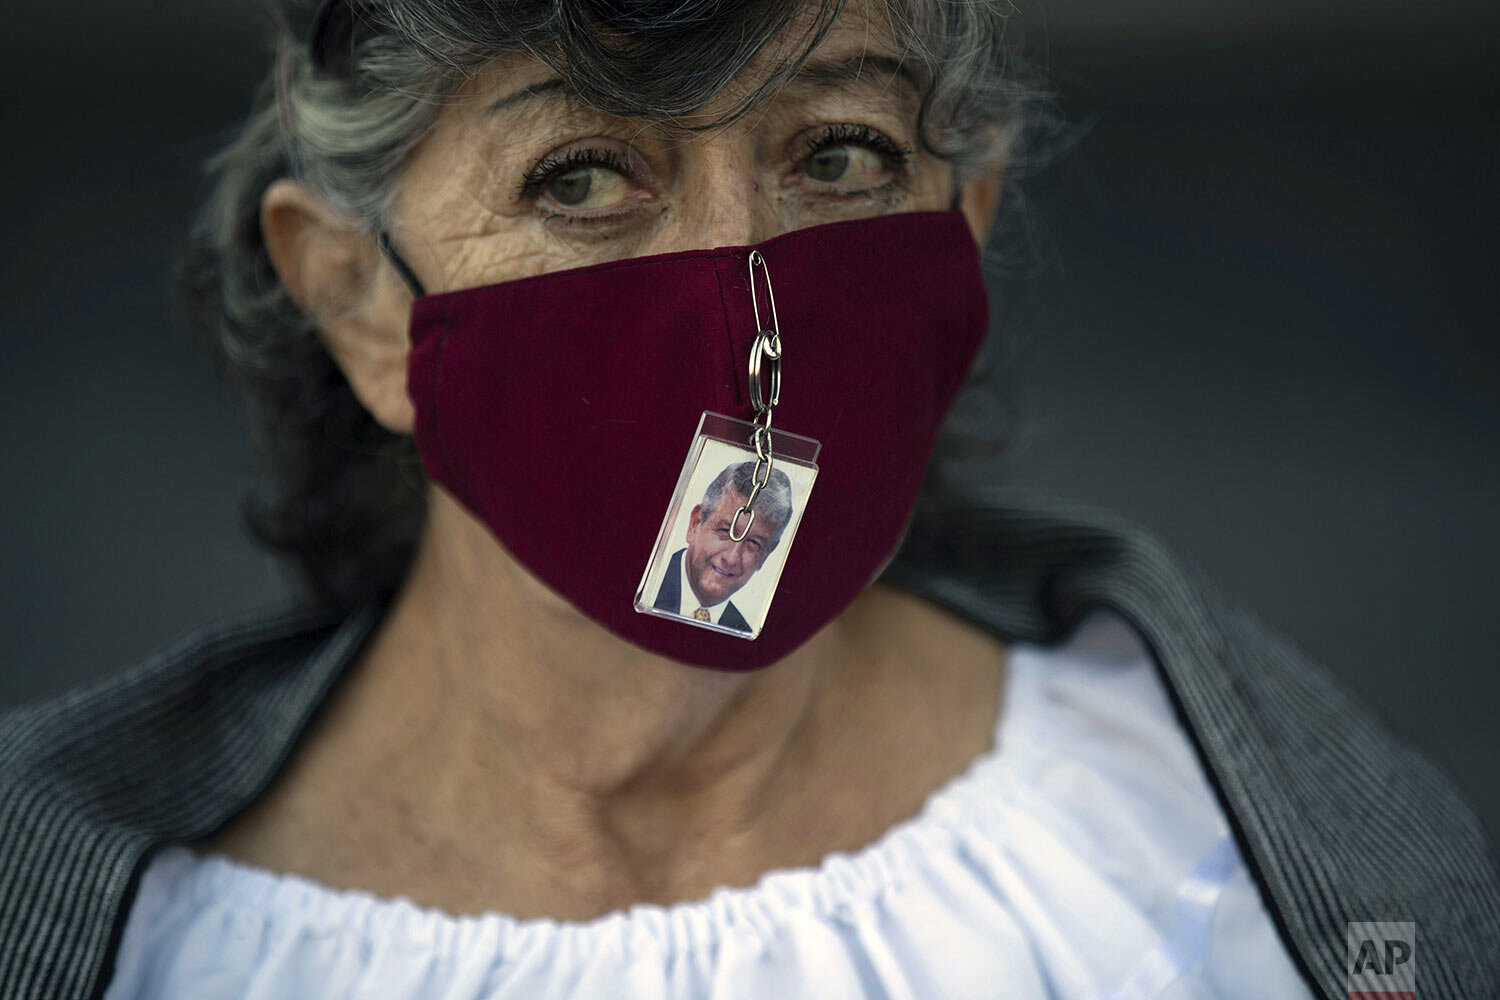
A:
<point x="739" y="397"/>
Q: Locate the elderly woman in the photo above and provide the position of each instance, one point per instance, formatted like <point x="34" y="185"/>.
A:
<point x="566" y="328"/>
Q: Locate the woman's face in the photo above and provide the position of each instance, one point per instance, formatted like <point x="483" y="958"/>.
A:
<point x="522" y="179"/>
<point x="518" y="179"/>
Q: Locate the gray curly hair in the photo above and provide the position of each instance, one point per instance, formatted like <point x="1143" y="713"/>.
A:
<point x="355" y="86"/>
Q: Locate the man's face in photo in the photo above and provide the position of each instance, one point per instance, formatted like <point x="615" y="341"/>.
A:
<point x="716" y="565"/>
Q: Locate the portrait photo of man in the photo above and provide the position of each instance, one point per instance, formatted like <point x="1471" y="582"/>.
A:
<point x="712" y="567"/>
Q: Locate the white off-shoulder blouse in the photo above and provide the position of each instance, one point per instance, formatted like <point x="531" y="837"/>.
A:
<point x="1084" y="855"/>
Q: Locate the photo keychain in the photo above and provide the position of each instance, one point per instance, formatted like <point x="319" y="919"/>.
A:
<point x="738" y="501"/>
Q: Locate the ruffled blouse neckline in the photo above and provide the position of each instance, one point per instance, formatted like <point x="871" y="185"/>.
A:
<point x="840" y="880"/>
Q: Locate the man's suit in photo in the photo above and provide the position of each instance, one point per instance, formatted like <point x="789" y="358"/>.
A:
<point x="669" y="597"/>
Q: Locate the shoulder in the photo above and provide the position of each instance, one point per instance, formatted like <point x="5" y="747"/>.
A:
<point x="156" y="705"/>
<point x="94" y="779"/>
<point x="1339" y="820"/>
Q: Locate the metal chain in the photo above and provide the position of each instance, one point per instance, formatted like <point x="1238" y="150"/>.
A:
<point x="767" y="346"/>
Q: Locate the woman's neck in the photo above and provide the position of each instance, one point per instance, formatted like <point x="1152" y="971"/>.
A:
<point x="495" y="749"/>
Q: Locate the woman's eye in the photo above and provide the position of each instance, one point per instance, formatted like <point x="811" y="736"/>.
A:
<point x="828" y="164"/>
<point x="587" y="187"/>
<point x="854" y="165"/>
<point x="856" y="158"/>
<point x="590" y="179"/>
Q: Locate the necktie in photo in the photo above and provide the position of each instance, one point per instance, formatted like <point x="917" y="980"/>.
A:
<point x="702" y="615"/>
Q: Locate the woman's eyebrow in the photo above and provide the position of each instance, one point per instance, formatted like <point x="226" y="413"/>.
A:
<point x="820" y="74"/>
<point x="556" y="85"/>
<point x="852" y="69"/>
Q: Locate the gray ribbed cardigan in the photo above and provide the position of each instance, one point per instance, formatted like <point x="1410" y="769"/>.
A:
<point x="1336" y="820"/>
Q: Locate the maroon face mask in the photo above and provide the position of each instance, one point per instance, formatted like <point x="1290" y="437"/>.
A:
<point x="558" y="408"/>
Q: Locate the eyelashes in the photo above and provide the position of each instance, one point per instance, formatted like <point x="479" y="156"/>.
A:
<point x="549" y="167"/>
<point x="895" y="156"/>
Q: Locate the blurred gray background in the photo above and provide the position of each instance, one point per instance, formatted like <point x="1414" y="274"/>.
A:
<point x="1267" y="330"/>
